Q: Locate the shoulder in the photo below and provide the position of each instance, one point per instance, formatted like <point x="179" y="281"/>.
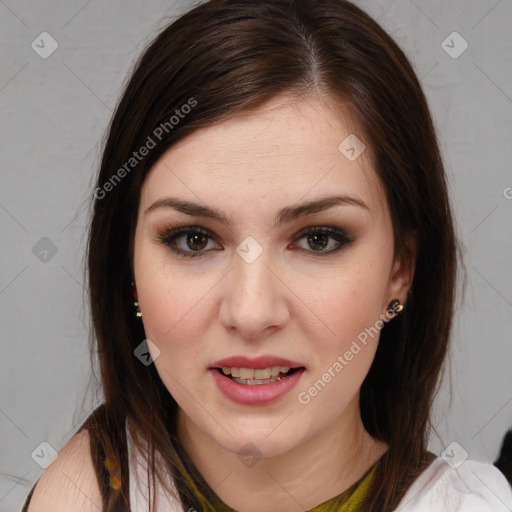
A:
<point x="472" y="486"/>
<point x="70" y="482"/>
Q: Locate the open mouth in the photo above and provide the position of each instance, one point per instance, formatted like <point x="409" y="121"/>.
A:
<point x="256" y="381"/>
<point x="251" y="376"/>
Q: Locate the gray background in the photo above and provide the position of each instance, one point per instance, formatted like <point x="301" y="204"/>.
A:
<point x="54" y="113"/>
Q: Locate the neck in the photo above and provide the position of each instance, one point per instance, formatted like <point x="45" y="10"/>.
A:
<point x="309" y="474"/>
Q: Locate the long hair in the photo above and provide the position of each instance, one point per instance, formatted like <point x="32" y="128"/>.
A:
<point x="226" y="57"/>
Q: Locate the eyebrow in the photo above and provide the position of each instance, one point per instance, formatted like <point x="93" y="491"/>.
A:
<point x="287" y="214"/>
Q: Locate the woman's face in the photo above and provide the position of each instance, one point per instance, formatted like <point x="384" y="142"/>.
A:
<point x="257" y="284"/>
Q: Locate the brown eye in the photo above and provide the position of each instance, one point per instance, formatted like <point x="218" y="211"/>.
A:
<point x="197" y="242"/>
<point x="318" y="240"/>
<point x="192" y="241"/>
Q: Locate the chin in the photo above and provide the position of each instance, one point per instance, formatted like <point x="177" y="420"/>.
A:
<point x="258" y="441"/>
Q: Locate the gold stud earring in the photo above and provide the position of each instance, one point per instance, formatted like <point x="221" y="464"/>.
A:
<point x="138" y="312"/>
<point x="395" y="307"/>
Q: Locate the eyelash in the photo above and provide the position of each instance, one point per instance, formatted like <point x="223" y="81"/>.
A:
<point x="169" y="235"/>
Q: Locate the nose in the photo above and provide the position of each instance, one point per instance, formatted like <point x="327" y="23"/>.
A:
<point x="254" y="302"/>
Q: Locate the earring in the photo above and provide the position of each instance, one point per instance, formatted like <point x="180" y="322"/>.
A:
<point x="395" y="307"/>
<point x="138" y="312"/>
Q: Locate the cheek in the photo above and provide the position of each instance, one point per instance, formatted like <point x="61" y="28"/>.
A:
<point x="344" y="346"/>
<point x="172" y="321"/>
<point x="343" y="306"/>
<point x="174" y="305"/>
<point x="342" y="324"/>
<point x="167" y="294"/>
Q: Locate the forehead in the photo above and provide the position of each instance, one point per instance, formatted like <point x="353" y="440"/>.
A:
<point x="286" y="151"/>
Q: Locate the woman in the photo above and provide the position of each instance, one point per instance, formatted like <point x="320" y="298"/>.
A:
<point x="272" y="273"/>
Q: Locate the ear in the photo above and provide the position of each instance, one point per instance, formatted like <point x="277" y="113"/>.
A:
<point x="134" y="288"/>
<point x="402" y="273"/>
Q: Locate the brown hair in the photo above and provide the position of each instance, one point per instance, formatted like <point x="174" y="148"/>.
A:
<point x="225" y="57"/>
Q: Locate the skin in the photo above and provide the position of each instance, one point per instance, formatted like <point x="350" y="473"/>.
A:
<point x="291" y="301"/>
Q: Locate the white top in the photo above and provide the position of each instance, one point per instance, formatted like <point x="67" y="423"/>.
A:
<point x="139" y="484"/>
<point x="472" y="487"/>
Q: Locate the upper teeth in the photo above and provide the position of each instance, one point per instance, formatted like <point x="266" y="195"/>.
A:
<point x="251" y="373"/>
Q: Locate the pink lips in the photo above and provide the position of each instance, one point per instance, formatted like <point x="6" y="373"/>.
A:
<point x="257" y="362"/>
<point x="255" y="394"/>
